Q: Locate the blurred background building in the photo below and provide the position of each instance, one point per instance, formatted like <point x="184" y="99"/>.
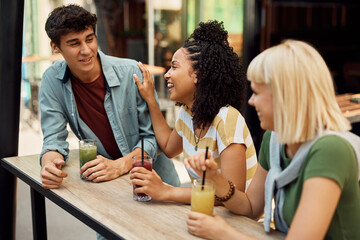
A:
<point x="329" y="25"/>
<point x="150" y="31"/>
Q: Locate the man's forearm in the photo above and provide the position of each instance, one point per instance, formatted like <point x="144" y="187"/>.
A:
<point x="125" y="163"/>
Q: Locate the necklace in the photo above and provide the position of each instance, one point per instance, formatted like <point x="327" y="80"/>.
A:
<point x="197" y="139"/>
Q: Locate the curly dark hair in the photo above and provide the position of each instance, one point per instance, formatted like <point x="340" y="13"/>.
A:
<point x="66" y="19"/>
<point x="221" y="79"/>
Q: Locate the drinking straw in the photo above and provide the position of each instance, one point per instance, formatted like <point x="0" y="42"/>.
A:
<point x="142" y="151"/>
<point x="204" y="172"/>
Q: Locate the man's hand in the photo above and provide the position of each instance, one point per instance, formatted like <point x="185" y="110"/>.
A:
<point x="51" y="173"/>
<point x="103" y="169"/>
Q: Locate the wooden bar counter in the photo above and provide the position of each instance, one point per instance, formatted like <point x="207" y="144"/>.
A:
<point x="109" y="209"/>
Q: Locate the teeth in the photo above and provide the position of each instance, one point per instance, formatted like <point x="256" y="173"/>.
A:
<point x="85" y="60"/>
<point x="170" y="85"/>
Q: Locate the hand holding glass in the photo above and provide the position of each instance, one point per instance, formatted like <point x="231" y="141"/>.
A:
<point x="87" y="152"/>
<point x="146" y="163"/>
<point x="203" y="197"/>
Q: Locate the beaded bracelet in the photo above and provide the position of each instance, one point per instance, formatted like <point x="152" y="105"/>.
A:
<point x="228" y="195"/>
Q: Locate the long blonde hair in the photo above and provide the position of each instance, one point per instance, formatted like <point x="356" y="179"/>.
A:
<point x="302" y="88"/>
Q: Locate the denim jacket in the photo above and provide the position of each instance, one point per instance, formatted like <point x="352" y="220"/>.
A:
<point x="127" y="112"/>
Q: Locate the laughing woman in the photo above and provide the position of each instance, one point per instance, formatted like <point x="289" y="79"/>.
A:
<point x="206" y="78"/>
<point x="309" y="161"/>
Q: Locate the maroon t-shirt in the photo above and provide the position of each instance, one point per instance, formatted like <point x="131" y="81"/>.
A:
<point x="90" y="103"/>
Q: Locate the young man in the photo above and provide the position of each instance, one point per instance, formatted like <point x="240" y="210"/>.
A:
<point x="97" y="96"/>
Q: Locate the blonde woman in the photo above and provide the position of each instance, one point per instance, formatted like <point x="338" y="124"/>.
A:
<point x="309" y="161"/>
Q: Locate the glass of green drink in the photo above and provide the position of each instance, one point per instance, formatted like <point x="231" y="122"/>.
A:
<point x="87" y="152"/>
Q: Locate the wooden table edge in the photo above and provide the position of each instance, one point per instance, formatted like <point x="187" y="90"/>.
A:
<point x="70" y="208"/>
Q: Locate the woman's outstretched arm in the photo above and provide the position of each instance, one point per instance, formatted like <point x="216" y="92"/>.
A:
<point x="168" y="140"/>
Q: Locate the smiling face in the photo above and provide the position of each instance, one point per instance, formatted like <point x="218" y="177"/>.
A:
<point x="79" y="50"/>
<point x="262" y="100"/>
<point x="181" y="78"/>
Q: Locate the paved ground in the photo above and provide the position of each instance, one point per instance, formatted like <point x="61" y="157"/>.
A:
<point x="60" y="224"/>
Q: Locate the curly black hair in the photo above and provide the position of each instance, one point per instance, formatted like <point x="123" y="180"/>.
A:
<point x="221" y="79"/>
<point x="65" y="19"/>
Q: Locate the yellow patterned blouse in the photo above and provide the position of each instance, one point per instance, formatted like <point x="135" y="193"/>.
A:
<point x="228" y="127"/>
